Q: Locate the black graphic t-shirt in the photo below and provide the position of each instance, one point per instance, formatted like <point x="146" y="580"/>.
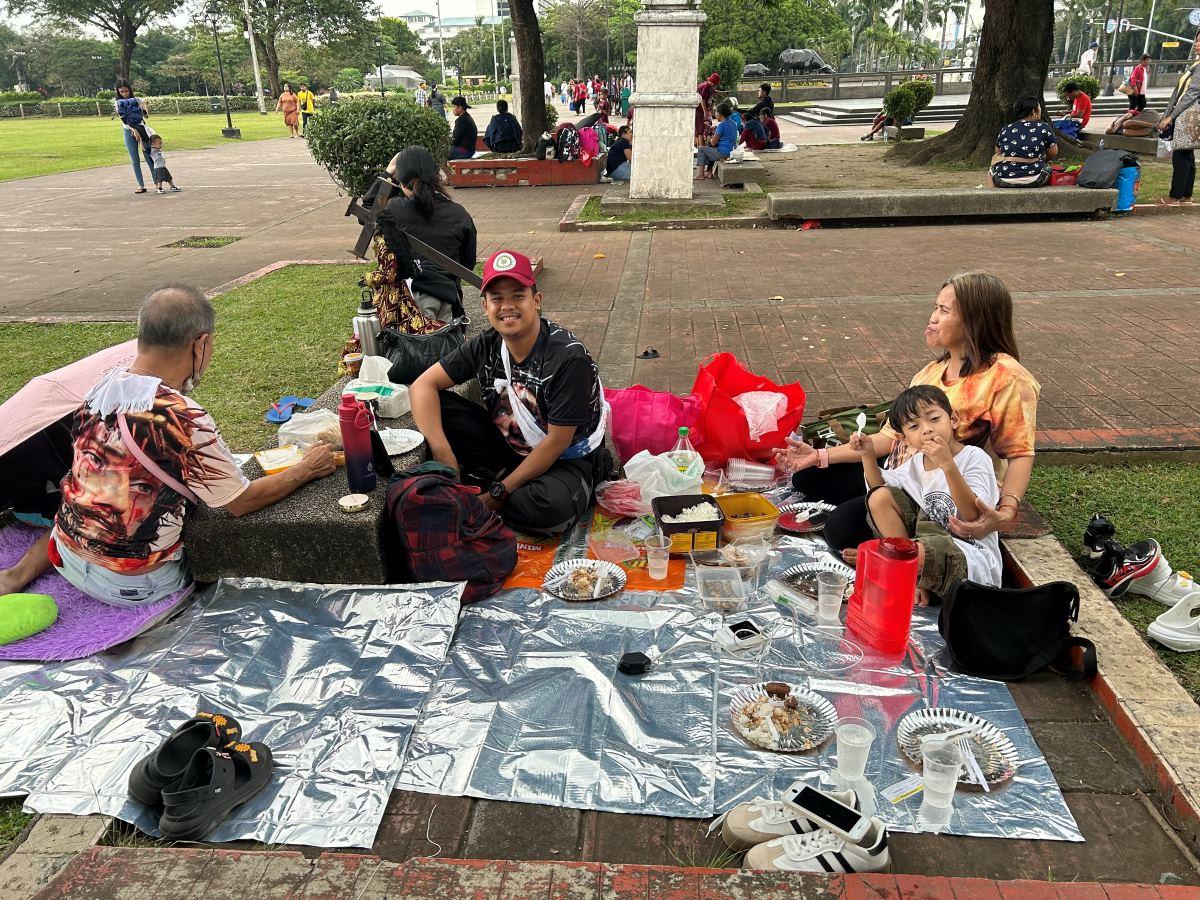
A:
<point x="558" y="382"/>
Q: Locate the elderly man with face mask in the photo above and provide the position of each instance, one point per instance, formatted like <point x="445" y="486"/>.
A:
<point x="143" y="453"/>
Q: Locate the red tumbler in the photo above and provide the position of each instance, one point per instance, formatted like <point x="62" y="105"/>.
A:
<point x="355" y="421"/>
<point x="885" y="588"/>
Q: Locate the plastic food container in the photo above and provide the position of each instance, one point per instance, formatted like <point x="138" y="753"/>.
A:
<point x="720" y="587"/>
<point x="688" y="536"/>
<point x="747" y="516"/>
<point x="277" y="459"/>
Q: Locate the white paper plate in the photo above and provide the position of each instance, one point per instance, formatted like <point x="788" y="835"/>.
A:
<point x="820" y="718"/>
<point x="611" y="580"/>
<point x="398" y="441"/>
<point x="993" y="749"/>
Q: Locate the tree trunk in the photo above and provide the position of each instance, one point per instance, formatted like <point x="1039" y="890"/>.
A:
<point x="127" y="35"/>
<point x="270" y="56"/>
<point x="1015" y="43"/>
<point x="531" y="67"/>
<point x="578" y="55"/>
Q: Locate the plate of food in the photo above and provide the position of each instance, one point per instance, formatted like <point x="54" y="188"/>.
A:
<point x="803" y="578"/>
<point x="775" y="715"/>
<point x="803" y="518"/>
<point x="584" y="580"/>
<point x="991" y="747"/>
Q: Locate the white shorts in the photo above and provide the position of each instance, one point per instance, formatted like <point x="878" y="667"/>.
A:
<point x="130" y="591"/>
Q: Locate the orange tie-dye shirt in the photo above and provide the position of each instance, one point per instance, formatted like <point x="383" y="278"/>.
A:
<point x="996" y="409"/>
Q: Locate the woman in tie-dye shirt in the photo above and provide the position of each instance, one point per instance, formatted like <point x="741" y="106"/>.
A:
<point x="994" y="399"/>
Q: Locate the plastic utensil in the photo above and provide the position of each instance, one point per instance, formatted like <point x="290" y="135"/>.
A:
<point x="972" y="763"/>
<point x="861" y="421"/>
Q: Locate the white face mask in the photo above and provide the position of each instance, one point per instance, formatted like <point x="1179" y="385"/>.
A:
<point x="193" y="381"/>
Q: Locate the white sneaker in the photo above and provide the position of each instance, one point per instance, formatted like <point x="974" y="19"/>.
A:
<point x="604" y="179"/>
<point x="823" y="852"/>
<point x="1163" y="585"/>
<point x="749" y="824"/>
<point x="1179" y="627"/>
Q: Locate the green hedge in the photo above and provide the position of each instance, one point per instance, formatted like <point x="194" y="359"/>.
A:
<point x="164" y="105"/>
<point x="1089" y="83"/>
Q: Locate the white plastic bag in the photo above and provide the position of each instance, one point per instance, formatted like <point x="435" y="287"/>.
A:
<point x="308" y="428"/>
<point x="763" y="411"/>
<point x="1165" y="148"/>
<point x="657" y="476"/>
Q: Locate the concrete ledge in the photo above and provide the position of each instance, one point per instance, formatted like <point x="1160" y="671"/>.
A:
<point x="748" y="171"/>
<point x="1147" y="146"/>
<point x="939" y="203"/>
<point x="1158" y="718"/>
<point x="50" y="845"/>
<point x="616" y="202"/>
<point x="905" y="132"/>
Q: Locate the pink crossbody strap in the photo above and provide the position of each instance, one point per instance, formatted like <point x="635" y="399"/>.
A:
<point x="150" y="465"/>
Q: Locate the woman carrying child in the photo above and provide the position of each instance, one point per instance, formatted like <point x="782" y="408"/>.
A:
<point x="132" y="109"/>
<point x="994" y="399"/>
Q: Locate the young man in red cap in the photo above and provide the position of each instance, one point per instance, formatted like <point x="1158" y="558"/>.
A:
<point x="536" y="445"/>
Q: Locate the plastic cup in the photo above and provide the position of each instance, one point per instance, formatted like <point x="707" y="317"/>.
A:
<point x="743" y="471"/>
<point x="831" y="588"/>
<point x="658" y="556"/>
<point x="854" y="739"/>
<point x="941" y="762"/>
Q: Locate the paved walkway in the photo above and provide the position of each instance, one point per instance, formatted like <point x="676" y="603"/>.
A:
<point x="1106" y="311"/>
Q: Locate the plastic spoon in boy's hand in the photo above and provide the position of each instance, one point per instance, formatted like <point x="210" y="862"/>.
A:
<point x="861" y="421"/>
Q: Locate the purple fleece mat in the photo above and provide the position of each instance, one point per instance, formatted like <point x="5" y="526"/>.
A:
<point x="84" y="626"/>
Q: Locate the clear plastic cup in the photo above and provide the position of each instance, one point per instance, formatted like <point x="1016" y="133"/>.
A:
<point x="854" y="739"/>
<point x="941" y="763"/>
<point x="744" y="471"/>
<point x="658" y="556"/>
<point x="831" y="588"/>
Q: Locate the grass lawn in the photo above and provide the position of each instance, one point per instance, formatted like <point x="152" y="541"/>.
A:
<point x="12" y="820"/>
<point x="31" y="147"/>
<point x="1149" y="501"/>
<point x="281" y="334"/>
<point x="735" y="205"/>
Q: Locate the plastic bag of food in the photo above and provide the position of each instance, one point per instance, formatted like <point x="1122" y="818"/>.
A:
<point x="658" y="476"/>
<point x="318" y="426"/>
<point x="622" y="498"/>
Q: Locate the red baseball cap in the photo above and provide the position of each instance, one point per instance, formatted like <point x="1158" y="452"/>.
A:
<point x="508" y="264"/>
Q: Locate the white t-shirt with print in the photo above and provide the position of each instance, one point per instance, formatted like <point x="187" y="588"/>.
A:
<point x="931" y="490"/>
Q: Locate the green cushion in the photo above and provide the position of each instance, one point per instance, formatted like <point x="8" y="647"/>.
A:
<point x="24" y="614"/>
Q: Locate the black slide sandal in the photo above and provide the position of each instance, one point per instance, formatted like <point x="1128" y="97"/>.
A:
<point x="215" y="782"/>
<point x="168" y="763"/>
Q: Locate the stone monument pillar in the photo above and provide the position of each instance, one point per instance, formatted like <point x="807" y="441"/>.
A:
<point x="668" y="48"/>
<point x="514" y="105"/>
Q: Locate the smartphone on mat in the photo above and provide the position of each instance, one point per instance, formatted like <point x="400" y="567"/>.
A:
<point x="832" y="814"/>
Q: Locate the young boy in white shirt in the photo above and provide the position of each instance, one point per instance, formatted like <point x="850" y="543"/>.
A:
<point x="917" y="499"/>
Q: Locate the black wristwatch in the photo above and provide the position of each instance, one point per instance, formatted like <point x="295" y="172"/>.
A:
<point x="498" y="491"/>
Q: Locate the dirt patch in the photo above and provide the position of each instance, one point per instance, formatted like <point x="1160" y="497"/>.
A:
<point x="853" y="167"/>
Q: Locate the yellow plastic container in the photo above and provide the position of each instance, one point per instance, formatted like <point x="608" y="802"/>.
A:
<point x="277" y="459"/>
<point x="747" y="516"/>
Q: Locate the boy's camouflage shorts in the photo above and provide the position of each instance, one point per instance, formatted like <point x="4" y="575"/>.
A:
<point x="945" y="563"/>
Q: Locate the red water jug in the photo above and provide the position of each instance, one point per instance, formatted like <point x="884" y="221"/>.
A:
<point x="355" y="421"/>
<point x="885" y="588"/>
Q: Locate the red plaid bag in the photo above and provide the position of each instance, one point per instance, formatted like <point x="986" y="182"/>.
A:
<point x="444" y="532"/>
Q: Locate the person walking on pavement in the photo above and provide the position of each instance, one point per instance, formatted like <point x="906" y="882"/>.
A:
<point x="308" y="107"/>
<point x="290" y="107"/>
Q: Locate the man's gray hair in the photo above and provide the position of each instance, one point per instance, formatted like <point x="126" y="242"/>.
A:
<point x="174" y="316"/>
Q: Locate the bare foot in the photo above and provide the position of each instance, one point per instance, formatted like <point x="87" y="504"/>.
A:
<point x="11" y="581"/>
<point x="922" y="597"/>
<point x="33" y="563"/>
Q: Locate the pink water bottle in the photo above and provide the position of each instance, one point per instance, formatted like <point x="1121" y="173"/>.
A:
<point x="355" y="421"/>
<point x="885" y="588"/>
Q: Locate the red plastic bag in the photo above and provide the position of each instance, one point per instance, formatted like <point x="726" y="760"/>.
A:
<point x="643" y="419"/>
<point x="721" y="433"/>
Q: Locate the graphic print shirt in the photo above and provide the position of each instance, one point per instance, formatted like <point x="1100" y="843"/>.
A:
<point x="116" y="512"/>
<point x="1026" y="139"/>
<point x="558" y="382"/>
<point x="931" y="490"/>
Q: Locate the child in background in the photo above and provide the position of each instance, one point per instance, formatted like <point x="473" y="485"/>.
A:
<point x="917" y="499"/>
<point x="162" y="175"/>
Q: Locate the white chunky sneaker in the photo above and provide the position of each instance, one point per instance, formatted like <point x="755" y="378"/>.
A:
<point x="749" y="824"/>
<point x="1163" y="585"/>
<point x="1179" y="627"/>
<point x="823" y="852"/>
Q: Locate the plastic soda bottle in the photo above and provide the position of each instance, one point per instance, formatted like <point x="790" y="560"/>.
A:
<point x="683" y="454"/>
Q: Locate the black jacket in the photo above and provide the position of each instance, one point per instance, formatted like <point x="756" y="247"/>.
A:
<point x="451" y="230"/>
<point x="465" y="133"/>
<point x="503" y="133"/>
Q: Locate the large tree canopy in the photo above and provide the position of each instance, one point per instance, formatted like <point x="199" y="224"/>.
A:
<point x="123" y="19"/>
<point x="763" y="30"/>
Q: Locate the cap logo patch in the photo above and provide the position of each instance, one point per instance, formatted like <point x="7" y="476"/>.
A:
<point x="504" y="262"/>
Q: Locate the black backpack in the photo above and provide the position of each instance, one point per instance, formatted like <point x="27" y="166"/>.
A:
<point x="1100" y="170"/>
<point x="1008" y="634"/>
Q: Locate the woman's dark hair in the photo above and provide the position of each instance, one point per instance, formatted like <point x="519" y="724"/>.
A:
<point x="986" y="310"/>
<point x="124" y="83"/>
<point x="725" y="109"/>
<point x="502" y="106"/>
<point x="1144" y="57"/>
<point x="624" y="130"/>
<point x="908" y="405"/>
<point x="1023" y="107"/>
<point x="417" y="171"/>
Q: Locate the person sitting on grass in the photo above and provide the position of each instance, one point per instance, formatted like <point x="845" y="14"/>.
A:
<point x="767" y="117"/>
<point x="754" y="135"/>
<point x="720" y="145"/>
<point x="1024" y="149"/>
<point x="1081" y="111"/>
<point x="536" y="445"/>
<point x="503" y="133"/>
<point x="918" y="498"/>
<point x="143" y="454"/>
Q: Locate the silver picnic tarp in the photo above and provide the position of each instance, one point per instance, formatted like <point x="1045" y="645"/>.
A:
<point x="332" y="678"/>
